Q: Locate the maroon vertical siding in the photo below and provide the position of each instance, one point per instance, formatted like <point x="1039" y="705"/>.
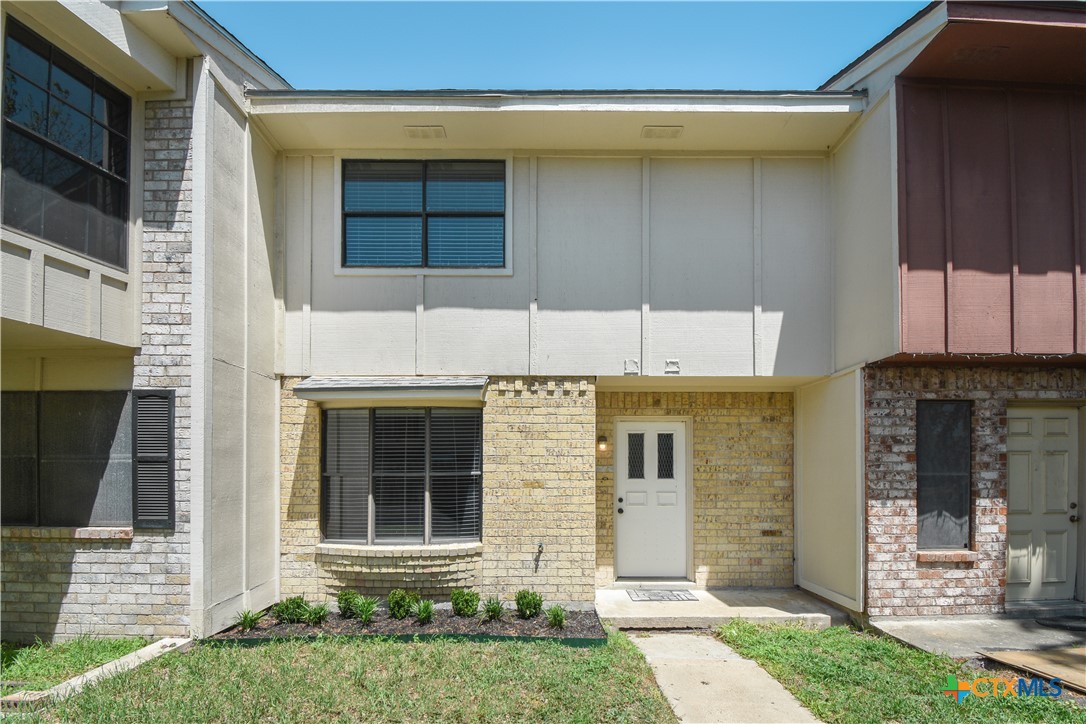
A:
<point x="991" y="219"/>
<point x="924" y="259"/>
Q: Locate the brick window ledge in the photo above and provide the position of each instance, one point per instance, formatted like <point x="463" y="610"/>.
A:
<point x="434" y="550"/>
<point x="96" y="533"/>
<point x="947" y="556"/>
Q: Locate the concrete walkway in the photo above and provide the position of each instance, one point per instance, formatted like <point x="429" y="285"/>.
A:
<point x="705" y="681"/>
<point x="717" y="606"/>
<point x="964" y="637"/>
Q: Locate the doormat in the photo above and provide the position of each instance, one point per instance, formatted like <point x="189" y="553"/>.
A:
<point x="638" y="594"/>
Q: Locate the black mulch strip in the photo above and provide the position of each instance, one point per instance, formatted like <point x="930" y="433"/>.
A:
<point x="579" y="624"/>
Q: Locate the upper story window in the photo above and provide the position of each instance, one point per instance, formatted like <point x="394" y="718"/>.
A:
<point x="437" y="214"/>
<point x="66" y="146"/>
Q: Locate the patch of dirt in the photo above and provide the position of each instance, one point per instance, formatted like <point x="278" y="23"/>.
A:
<point x="579" y="624"/>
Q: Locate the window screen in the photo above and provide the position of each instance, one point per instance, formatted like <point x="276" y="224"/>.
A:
<point x="74" y="459"/>
<point x="65" y="150"/>
<point x="447" y="214"/>
<point x="943" y="466"/>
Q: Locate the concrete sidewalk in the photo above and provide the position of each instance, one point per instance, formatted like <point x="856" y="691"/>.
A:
<point x="705" y="681"/>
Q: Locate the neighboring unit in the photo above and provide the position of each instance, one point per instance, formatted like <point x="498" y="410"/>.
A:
<point x="263" y="342"/>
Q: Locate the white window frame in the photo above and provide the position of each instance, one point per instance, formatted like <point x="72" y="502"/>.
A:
<point x="338" y="268"/>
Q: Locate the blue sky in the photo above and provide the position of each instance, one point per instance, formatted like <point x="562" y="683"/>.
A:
<point x="569" y="45"/>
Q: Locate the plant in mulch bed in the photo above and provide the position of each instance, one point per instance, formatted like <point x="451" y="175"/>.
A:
<point x="556" y="616"/>
<point x="400" y="602"/>
<point x="352" y="604"/>
<point x="247" y="619"/>
<point x="465" y="603"/>
<point x="493" y="609"/>
<point x="298" y="610"/>
<point x="423" y="611"/>
<point x="529" y="603"/>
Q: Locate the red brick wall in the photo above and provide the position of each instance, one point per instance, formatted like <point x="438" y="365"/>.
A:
<point x="898" y="584"/>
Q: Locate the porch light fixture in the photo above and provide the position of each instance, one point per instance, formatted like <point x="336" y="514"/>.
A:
<point x="602" y="442"/>
<point x="425" y="132"/>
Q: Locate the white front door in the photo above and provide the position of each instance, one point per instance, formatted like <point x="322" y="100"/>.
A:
<point x="1042" y="503"/>
<point x="650" y="500"/>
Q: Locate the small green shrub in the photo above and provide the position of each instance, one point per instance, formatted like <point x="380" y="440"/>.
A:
<point x="365" y="608"/>
<point x="464" y="602"/>
<point x="247" y="619"/>
<point x="493" y="609"/>
<point x="529" y="603"/>
<point x="423" y="611"/>
<point x="347" y="600"/>
<point x="400" y="602"/>
<point x="556" y="616"/>
<point x="317" y="614"/>
<point x="291" y="610"/>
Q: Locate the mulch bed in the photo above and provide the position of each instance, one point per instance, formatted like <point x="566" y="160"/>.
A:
<point x="579" y="625"/>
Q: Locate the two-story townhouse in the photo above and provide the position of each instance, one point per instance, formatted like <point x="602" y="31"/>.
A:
<point x="832" y="339"/>
<point x="565" y="340"/>
<point x="139" y="391"/>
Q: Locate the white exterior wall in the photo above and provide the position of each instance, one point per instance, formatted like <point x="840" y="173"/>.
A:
<point x="239" y="492"/>
<point x="829" y="489"/>
<point x="721" y="263"/>
<point x="867" y="280"/>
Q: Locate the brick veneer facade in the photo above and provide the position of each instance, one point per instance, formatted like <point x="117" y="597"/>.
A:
<point x="538" y="487"/>
<point x="743" y="489"/>
<point x="899" y="581"/>
<point x="64" y="582"/>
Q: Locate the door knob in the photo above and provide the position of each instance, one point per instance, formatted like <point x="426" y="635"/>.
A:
<point x="1074" y="518"/>
<point x="620" y="510"/>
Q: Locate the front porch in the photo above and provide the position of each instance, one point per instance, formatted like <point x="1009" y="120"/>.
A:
<point x="717" y="606"/>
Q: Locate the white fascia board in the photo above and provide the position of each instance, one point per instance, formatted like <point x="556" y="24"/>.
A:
<point x="893" y="57"/>
<point x="406" y="395"/>
<point x="312" y="104"/>
<point x="205" y="31"/>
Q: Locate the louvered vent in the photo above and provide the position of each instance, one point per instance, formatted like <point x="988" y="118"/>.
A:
<point x="152" y="493"/>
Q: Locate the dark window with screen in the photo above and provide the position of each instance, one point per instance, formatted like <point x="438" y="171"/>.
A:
<point x="402" y="475"/>
<point x="65" y="156"/>
<point x="441" y="214"/>
<point x="74" y="459"/>
<point x="943" y="473"/>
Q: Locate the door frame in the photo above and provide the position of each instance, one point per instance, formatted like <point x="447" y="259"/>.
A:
<point x="688" y="487"/>
<point x="1075" y="406"/>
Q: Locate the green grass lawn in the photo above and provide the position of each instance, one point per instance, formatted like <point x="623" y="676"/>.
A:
<point x="44" y="665"/>
<point x="843" y="675"/>
<point x="377" y="680"/>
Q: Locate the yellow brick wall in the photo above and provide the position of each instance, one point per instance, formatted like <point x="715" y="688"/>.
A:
<point x="538" y="487"/>
<point x="742" y="482"/>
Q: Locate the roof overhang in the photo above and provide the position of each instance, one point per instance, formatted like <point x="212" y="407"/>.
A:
<point x="377" y="391"/>
<point x="596" y="121"/>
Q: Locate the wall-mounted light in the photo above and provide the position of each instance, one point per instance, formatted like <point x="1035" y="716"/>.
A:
<point x="601" y="441"/>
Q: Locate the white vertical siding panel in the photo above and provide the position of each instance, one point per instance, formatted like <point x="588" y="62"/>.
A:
<point x="15" y="283"/>
<point x="796" y="258"/>
<point x="66" y="297"/>
<point x="297" y="279"/>
<point x="479" y="325"/>
<point x="359" y="325"/>
<point x="589" y="236"/>
<point x="116" y="311"/>
<point x="228" y="233"/>
<point x="701" y="265"/>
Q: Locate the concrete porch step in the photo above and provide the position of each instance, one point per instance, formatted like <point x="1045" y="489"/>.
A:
<point x="715" y="607"/>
